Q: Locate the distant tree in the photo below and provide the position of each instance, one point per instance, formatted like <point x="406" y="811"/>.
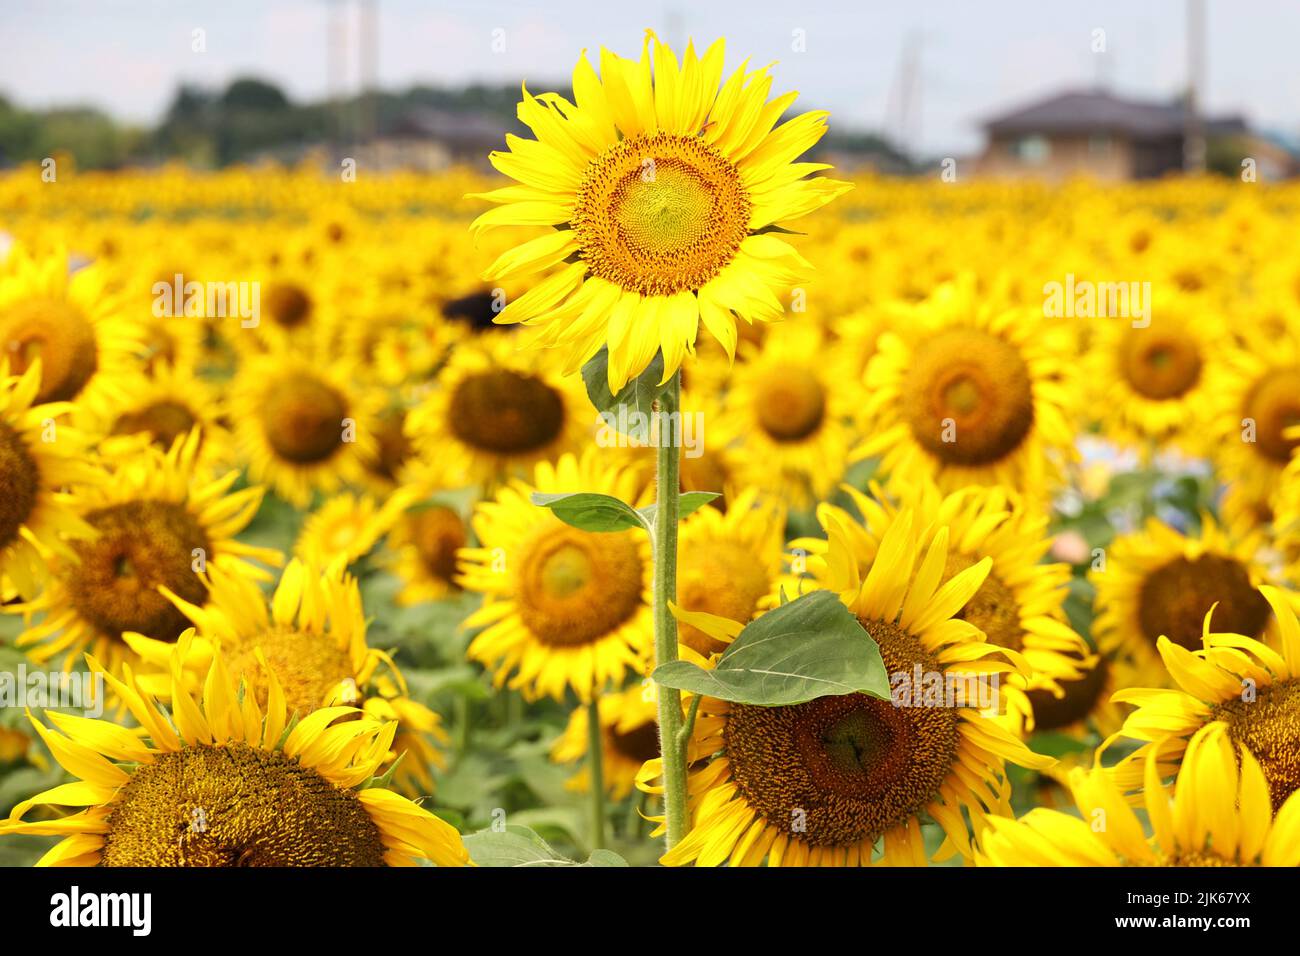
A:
<point x="249" y="93"/>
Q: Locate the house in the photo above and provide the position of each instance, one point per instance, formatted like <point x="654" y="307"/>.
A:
<point x="1098" y="134"/>
<point x="433" y="139"/>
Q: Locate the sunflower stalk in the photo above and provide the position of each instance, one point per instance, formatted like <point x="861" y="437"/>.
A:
<point x="596" y="771"/>
<point x="667" y="491"/>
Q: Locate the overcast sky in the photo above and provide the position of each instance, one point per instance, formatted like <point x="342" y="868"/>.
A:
<point x="975" y="58"/>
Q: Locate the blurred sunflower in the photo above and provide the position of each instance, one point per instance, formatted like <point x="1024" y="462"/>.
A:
<point x="1217" y="813"/>
<point x="40" y="457"/>
<point x="424" y="543"/>
<point x="562" y="607"/>
<point x="167" y="405"/>
<point x="792" y="400"/>
<point x="255" y="790"/>
<point x="629" y="737"/>
<point x="970" y="395"/>
<point x="819" y="783"/>
<point x="494" y="414"/>
<point x="659" y="184"/>
<point x="159" y="522"/>
<point x="1158" y="582"/>
<point x="1232" y="681"/>
<point x="349" y="525"/>
<point x="302" y="426"/>
<point x="88" y="351"/>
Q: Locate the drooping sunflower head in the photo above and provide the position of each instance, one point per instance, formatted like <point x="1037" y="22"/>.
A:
<point x="562" y="607"/>
<point x="223" y="780"/>
<point x="301" y="426"/>
<point x="1156" y="583"/>
<point x="159" y="522"/>
<point x="820" y="783"/>
<point x="967" y="394"/>
<point x="40" y="457"/>
<point x="658" y="178"/>
<point x="88" y="351"/>
<point x="495" y="413"/>
<point x="1216" y="813"/>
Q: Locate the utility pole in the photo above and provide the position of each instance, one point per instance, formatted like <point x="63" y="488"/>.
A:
<point x="1194" y="126"/>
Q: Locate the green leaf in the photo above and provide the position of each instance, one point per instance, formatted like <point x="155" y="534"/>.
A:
<point x="687" y="503"/>
<point x="807" y="648"/>
<point x="519" y="846"/>
<point x="592" y="512"/>
<point x="637" y="395"/>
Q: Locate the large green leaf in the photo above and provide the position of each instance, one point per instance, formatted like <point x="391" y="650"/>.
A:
<point x="637" y="395"/>
<point x="519" y="846"/>
<point x="807" y="648"/>
<point x="592" y="512"/>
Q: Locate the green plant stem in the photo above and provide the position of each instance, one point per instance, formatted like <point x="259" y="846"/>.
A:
<point x="596" y="774"/>
<point x="667" y="491"/>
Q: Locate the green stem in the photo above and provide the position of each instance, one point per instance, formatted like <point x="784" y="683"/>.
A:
<point x="596" y="774"/>
<point x="667" y="492"/>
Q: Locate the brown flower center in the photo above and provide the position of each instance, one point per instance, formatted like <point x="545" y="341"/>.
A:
<point x="505" y="412"/>
<point x="1174" y="599"/>
<point x="576" y="587"/>
<point x="302" y="417"/>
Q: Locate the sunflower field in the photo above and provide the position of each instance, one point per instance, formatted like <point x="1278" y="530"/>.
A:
<point x="663" y="498"/>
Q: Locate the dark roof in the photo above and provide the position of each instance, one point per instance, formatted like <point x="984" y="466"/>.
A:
<point x="455" y="128"/>
<point x="1088" y="111"/>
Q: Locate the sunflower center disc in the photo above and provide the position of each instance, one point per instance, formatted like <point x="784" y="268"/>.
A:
<point x="20" y="479"/>
<point x="1053" y="713"/>
<point x="1274" y="405"/>
<point x="60" y="336"/>
<point x="659" y="214"/>
<point x="838" y="770"/>
<point x="165" y="421"/>
<point x="1174" y="599"/>
<point x="394" y="447"/>
<point x="308" y="666"/>
<point x="969" y="399"/>
<point x="237" y="805"/>
<point x="141" y="545"/>
<point x="722" y="578"/>
<point x="438" y="533"/>
<point x="791" y="404"/>
<point x="1269" y="727"/>
<point x="303" y="419"/>
<point x="288" y="305"/>
<point x="1159" y="366"/>
<point x="505" y="412"/>
<point x="577" y="586"/>
<point x="639" y="744"/>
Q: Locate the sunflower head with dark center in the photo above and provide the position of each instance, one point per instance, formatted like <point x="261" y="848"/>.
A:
<point x="140" y="546"/>
<point x="575" y="587"/>
<point x="660" y="214"/>
<point x="308" y="665"/>
<point x="1159" y="364"/>
<point x="288" y="304"/>
<point x="394" y="446"/>
<point x="59" y="334"/>
<point x="968" y="397"/>
<point x="720" y="577"/>
<point x="505" y="412"/>
<point x="437" y="533"/>
<point x="993" y="608"/>
<point x="165" y="421"/>
<point x="20" y="479"/>
<point x="302" y="418"/>
<point x="237" y="805"/>
<point x="790" y="403"/>
<point x="1174" y="599"/>
<point x="1268" y="725"/>
<point x="839" y="770"/>
<point x="638" y="744"/>
<point x="1273" y="404"/>
<point x="1080" y="697"/>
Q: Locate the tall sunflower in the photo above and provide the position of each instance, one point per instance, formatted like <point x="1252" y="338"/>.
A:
<point x="1158" y="582"/>
<point x="1217" y="813"/>
<point x="821" y="783"/>
<point x="226" y="780"/>
<point x="967" y="393"/>
<point x="1250" y="689"/>
<point x="40" y="457"/>
<point x="494" y="413"/>
<point x="88" y="351"/>
<point x="660" y="185"/>
<point x="160" y="521"/>
<point x="312" y="636"/>
<point x="562" y="607"/>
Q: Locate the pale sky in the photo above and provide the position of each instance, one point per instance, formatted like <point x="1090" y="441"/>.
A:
<point x="976" y="58"/>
